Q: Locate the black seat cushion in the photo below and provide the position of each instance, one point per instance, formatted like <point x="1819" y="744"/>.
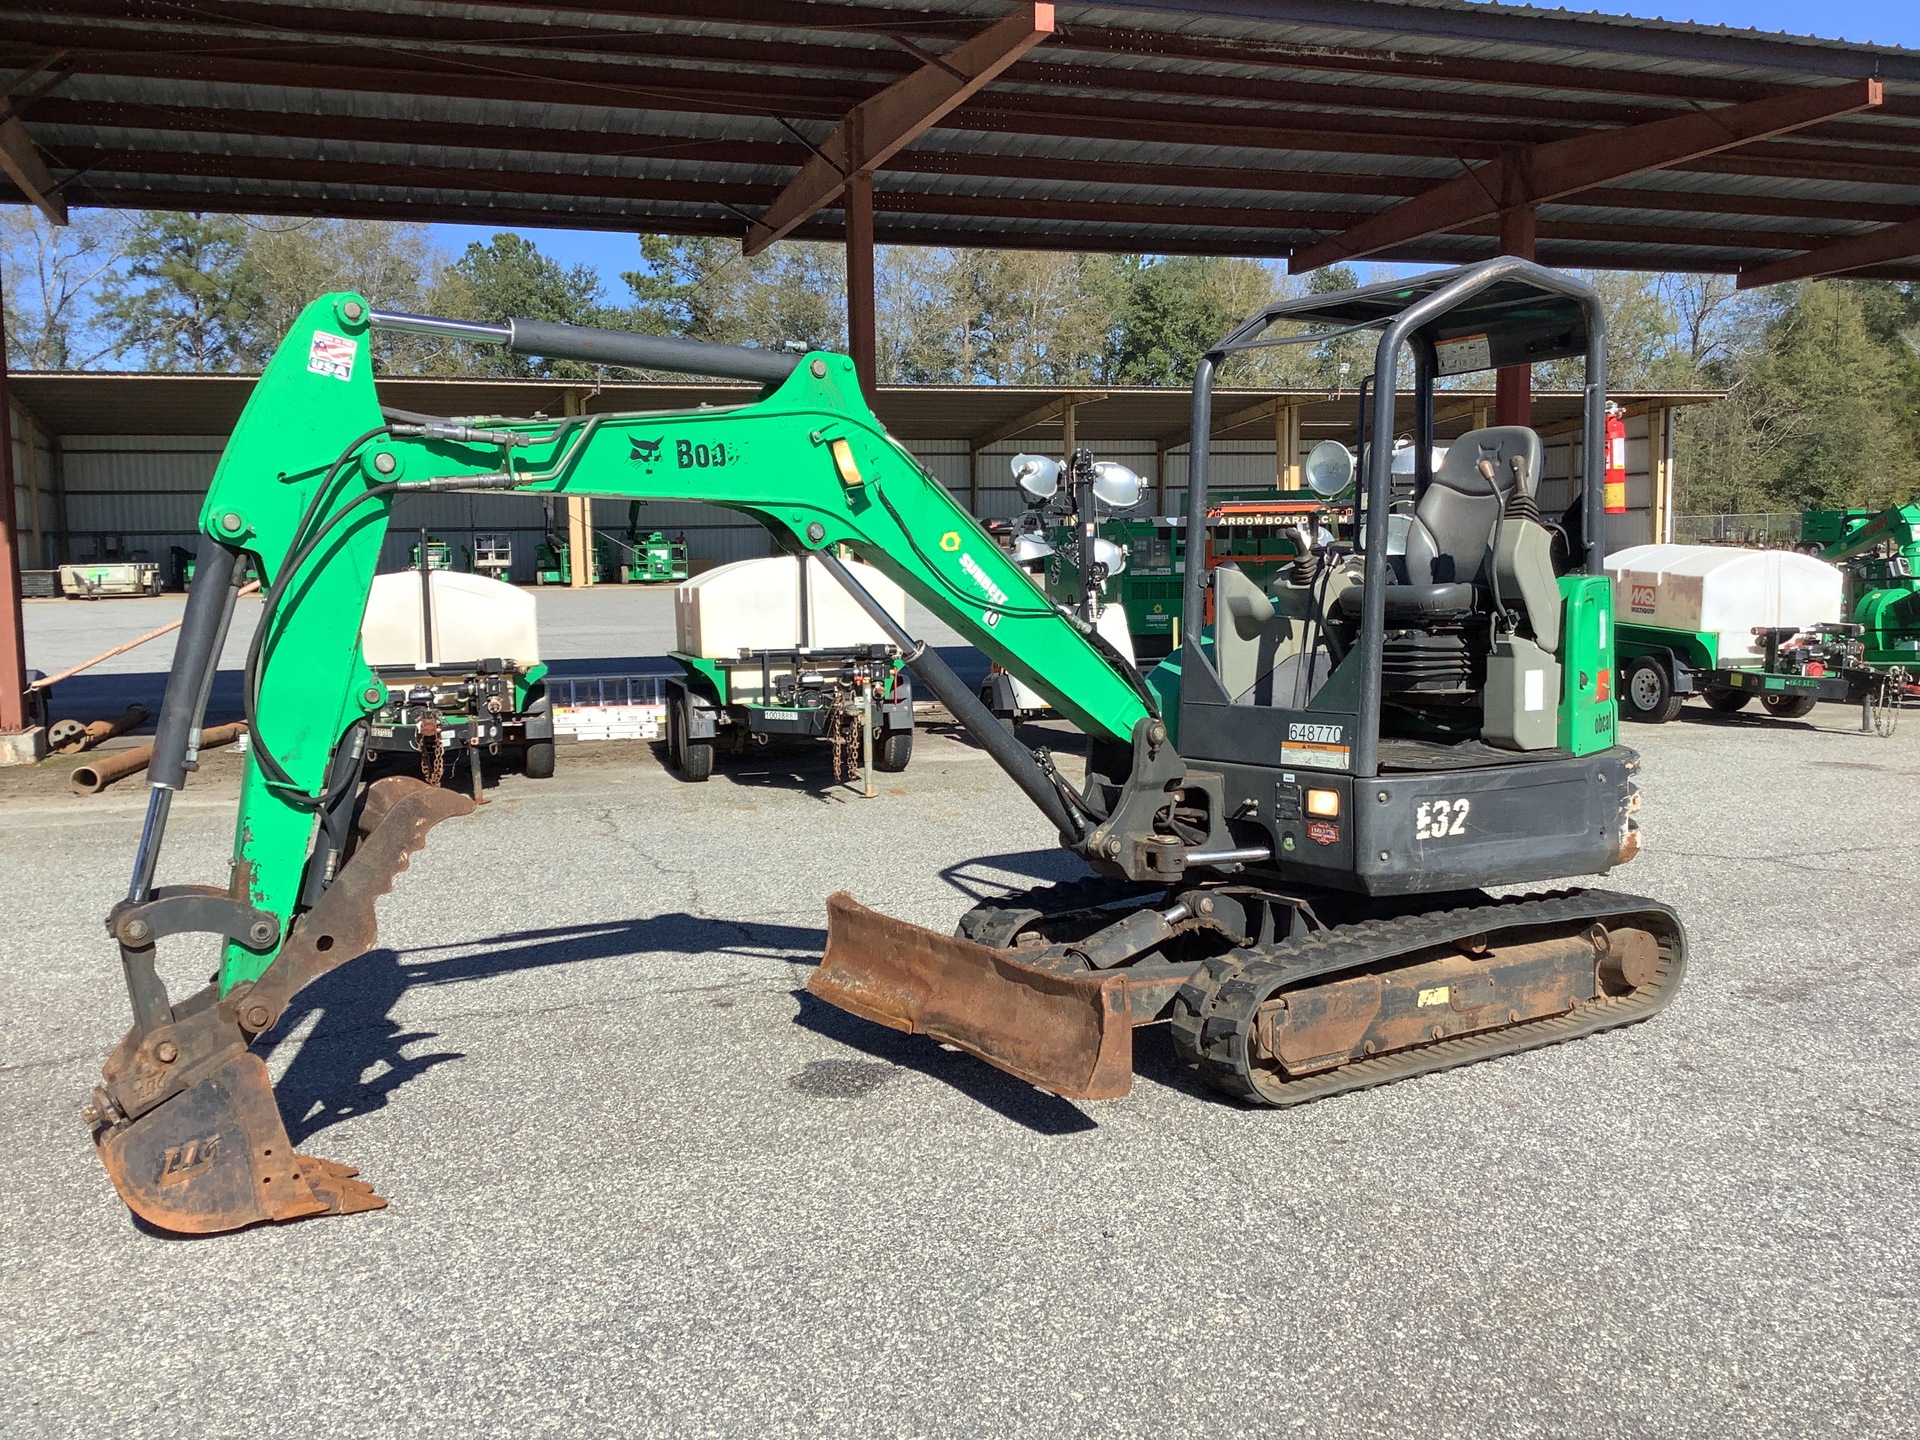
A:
<point x="1408" y="601"/>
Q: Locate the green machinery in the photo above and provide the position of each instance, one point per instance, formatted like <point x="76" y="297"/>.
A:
<point x="1879" y="553"/>
<point x="439" y="554"/>
<point x="652" y="559"/>
<point x="553" y="561"/>
<point x="857" y="698"/>
<point x="1286" y="827"/>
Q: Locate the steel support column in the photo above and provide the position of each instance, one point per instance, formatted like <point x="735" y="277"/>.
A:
<point x="860" y="304"/>
<point x="1513" y="387"/>
<point x="13" y="637"/>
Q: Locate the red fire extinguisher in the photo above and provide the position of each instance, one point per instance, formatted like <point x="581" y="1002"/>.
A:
<point x="1616" y="488"/>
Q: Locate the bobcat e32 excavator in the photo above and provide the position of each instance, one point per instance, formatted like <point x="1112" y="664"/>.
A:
<point x="1290" y="823"/>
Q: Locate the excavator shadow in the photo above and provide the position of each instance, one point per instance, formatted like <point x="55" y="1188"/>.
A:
<point x="985" y="877"/>
<point x="356" y="1054"/>
<point x="998" y="1091"/>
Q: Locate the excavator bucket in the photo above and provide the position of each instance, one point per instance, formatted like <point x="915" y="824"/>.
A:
<point x="212" y="1153"/>
<point x="1070" y="1034"/>
<point x="217" y="1157"/>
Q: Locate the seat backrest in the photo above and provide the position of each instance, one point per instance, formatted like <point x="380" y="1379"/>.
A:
<point x="1451" y="538"/>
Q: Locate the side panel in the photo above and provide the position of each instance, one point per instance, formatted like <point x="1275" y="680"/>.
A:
<point x="1504" y="826"/>
<point x="1589" y="716"/>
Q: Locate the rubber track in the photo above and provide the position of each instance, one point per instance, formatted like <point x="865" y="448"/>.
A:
<point x="1213" y="1019"/>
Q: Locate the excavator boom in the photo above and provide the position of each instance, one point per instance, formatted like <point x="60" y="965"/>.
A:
<point x="185" y="1119"/>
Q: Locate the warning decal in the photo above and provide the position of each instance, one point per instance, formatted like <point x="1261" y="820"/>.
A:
<point x="332" y="355"/>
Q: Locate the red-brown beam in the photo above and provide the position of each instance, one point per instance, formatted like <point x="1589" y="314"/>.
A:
<point x="883" y="124"/>
<point x="1856" y="252"/>
<point x="13" y="635"/>
<point x="1546" y="172"/>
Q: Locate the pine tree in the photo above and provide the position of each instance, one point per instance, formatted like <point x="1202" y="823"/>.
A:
<point x="184" y="300"/>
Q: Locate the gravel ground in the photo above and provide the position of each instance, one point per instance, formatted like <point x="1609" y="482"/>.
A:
<point x="641" y="1185"/>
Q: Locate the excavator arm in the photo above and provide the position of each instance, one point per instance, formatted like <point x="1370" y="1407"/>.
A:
<point x="185" y="1119"/>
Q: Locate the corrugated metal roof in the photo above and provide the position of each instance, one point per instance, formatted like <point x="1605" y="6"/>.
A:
<point x="94" y="403"/>
<point x="1210" y="126"/>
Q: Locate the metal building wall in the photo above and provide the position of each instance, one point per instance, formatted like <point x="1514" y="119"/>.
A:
<point x="36" y="501"/>
<point x="142" y="493"/>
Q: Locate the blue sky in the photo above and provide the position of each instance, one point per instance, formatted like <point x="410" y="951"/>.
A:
<point x="1879" y="22"/>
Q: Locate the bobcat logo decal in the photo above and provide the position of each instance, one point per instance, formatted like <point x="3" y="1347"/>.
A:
<point x="645" y="452"/>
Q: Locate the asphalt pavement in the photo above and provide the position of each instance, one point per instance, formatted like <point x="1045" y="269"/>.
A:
<point x="641" y="1185"/>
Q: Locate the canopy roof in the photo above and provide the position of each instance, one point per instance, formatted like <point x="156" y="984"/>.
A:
<point x="1313" y="129"/>
<point x="97" y="403"/>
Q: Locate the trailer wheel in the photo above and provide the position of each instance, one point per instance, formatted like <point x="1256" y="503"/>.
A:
<point x="1788" y="707"/>
<point x="539" y="760"/>
<point x="1727" y="701"/>
<point x="1646" y="694"/>
<point x="894" y="751"/>
<point x="692" y="759"/>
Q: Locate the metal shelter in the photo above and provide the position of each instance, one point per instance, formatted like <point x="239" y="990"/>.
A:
<point x="1315" y="130"/>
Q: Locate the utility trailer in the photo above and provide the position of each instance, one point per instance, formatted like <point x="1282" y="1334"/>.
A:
<point x="1688" y="628"/>
<point x="458" y="656"/>
<point x="773" y="650"/>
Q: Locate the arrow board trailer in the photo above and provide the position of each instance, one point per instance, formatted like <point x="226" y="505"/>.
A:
<point x="771" y="649"/>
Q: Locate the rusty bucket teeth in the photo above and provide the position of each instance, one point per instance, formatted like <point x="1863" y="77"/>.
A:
<point x="216" y="1157"/>
<point x="1071" y="1034"/>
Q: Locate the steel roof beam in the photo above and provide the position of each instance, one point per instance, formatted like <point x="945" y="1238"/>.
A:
<point x="137" y="119"/>
<point x="878" y="127"/>
<point x="1546" y="172"/>
<point x="1281" y="224"/>
<point x="1856" y="252"/>
<point x="20" y="160"/>
<point x="1051" y="412"/>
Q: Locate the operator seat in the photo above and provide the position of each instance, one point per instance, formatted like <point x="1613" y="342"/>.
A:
<point x="1448" y="564"/>
<point x="1474" y="547"/>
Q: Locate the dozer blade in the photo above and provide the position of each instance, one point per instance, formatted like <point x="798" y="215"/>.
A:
<point x="216" y="1157"/>
<point x="186" y="1121"/>
<point x="1070" y="1034"/>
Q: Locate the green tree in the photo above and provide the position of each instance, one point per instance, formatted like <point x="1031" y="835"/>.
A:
<point x="1177" y="307"/>
<point x="288" y="263"/>
<point x="1825" y="421"/>
<point x="184" y="299"/>
<point x="507" y="277"/>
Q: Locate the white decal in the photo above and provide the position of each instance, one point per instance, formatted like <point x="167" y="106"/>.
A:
<point x="1438" y="819"/>
<point x="1536" y="690"/>
<point x="1315" y="734"/>
<point x="332" y="355"/>
<point x="980" y="577"/>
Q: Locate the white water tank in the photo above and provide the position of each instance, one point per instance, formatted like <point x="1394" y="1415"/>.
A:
<point x="1721" y="590"/>
<point x="474" y="619"/>
<point x="755" y="605"/>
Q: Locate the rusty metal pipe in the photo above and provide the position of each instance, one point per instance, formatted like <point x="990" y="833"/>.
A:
<point x="91" y="779"/>
<point x="101" y="730"/>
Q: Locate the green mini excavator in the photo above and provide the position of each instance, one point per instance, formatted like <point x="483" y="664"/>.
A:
<point x="1289" y="825"/>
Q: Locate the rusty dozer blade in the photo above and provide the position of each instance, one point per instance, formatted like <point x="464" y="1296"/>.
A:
<point x="1070" y="1034"/>
<point x="186" y="1121"/>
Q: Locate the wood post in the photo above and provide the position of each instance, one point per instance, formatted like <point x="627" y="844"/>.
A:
<point x="1286" y="448"/>
<point x="13" y="636"/>
<point x="579" y="519"/>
